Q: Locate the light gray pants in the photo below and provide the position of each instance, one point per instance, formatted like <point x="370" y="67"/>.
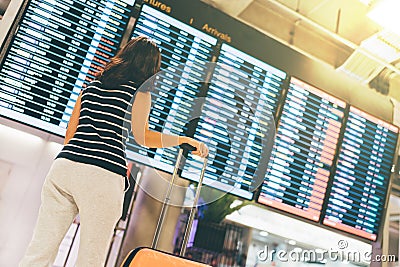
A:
<point x="71" y="187"/>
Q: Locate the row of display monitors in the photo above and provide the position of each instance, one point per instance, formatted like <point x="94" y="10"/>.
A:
<point x="323" y="160"/>
<point x="330" y="161"/>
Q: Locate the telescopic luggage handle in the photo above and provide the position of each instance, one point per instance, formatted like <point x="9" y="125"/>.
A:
<point x="193" y="210"/>
<point x="184" y="149"/>
<point x="187" y="148"/>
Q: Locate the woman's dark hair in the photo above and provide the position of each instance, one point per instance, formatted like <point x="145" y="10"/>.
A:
<point x="137" y="61"/>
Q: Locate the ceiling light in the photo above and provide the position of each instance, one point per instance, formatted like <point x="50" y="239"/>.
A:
<point x="263" y="233"/>
<point x="292" y="242"/>
<point x="385" y="13"/>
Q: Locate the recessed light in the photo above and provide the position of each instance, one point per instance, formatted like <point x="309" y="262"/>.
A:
<point x="264" y="233"/>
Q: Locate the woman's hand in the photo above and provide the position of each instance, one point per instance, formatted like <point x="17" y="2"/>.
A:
<point x="201" y="148"/>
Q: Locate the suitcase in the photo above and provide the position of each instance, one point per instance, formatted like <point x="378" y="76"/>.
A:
<point x="148" y="257"/>
<point x="151" y="257"/>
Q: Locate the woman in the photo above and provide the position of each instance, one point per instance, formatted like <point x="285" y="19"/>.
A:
<point x="88" y="174"/>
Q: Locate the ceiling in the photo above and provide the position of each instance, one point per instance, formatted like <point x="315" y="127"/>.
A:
<point x="332" y="31"/>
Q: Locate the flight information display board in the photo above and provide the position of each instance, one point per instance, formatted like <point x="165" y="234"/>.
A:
<point x="185" y="54"/>
<point x="304" y="150"/>
<point x="236" y="122"/>
<point x="57" y="49"/>
<point x="360" y="184"/>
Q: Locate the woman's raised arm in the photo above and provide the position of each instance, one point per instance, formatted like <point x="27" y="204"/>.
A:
<point x="145" y="137"/>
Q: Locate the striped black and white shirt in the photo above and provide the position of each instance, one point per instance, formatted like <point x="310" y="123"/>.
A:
<point x="103" y="127"/>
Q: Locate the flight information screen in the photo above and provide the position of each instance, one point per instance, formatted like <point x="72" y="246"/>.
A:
<point x="185" y="53"/>
<point x="57" y="49"/>
<point x="305" y="145"/>
<point x="237" y="122"/>
<point x="360" y="184"/>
